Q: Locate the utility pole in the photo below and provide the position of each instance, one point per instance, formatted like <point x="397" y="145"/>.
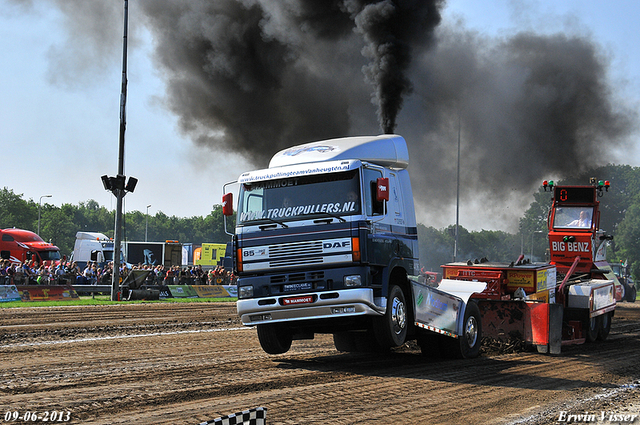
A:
<point x="146" y="224"/>
<point x="117" y="184"/>
<point x="39" y="207"/>
<point x="455" y="244"/>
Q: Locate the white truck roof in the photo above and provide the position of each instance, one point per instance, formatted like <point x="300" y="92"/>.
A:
<point x="91" y="236"/>
<point x="389" y="150"/>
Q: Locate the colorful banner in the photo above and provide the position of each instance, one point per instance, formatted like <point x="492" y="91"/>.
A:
<point x="182" y="291"/>
<point x="47" y="292"/>
<point x="211" y="291"/>
<point x="232" y="290"/>
<point x="9" y="293"/>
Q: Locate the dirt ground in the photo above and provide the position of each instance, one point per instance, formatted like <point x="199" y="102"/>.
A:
<point x="189" y="363"/>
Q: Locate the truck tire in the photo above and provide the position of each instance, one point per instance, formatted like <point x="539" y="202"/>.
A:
<point x="592" y="328"/>
<point x="391" y="329"/>
<point x="467" y="345"/>
<point x="604" y="326"/>
<point x="358" y="342"/>
<point x="631" y="293"/>
<point x="430" y="344"/>
<point x="274" y="339"/>
<point x="344" y="342"/>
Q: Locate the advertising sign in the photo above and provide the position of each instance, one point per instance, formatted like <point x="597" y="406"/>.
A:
<point x="47" y="292"/>
<point x="211" y="291"/>
<point x="9" y="293"/>
<point x="144" y="253"/>
<point x="183" y="291"/>
<point x="436" y="310"/>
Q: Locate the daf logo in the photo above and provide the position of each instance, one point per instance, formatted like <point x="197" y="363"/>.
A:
<point x="328" y="245"/>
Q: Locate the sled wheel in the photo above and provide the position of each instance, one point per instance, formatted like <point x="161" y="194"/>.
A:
<point x="592" y="328"/>
<point x="605" y="326"/>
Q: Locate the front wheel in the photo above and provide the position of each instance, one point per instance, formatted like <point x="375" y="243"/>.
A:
<point x="274" y="339"/>
<point x="391" y="329"/>
<point x="467" y="345"/>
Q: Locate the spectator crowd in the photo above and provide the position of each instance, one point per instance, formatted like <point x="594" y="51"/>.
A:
<point x="66" y="272"/>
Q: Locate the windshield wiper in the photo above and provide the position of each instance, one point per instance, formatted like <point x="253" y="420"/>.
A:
<point x="331" y="215"/>
<point x="272" y="221"/>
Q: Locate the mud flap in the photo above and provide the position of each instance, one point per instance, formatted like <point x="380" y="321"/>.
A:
<point x="544" y="324"/>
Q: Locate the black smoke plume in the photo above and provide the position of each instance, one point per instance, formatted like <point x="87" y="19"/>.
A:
<point x="259" y="75"/>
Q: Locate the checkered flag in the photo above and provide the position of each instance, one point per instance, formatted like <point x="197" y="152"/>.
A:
<point x="257" y="416"/>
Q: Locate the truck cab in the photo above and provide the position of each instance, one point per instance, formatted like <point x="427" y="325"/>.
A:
<point x="324" y="241"/>
<point x="92" y="247"/>
<point x="19" y="245"/>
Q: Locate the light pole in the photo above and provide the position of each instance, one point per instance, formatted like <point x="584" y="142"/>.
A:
<point x="39" y="207"/>
<point x="146" y="224"/>
<point x="455" y="243"/>
<point x="533" y="233"/>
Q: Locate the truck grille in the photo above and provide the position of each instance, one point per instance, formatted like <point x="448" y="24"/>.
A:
<point x="297" y="254"/>
<point x="298" y="277"/>
<point x="297" y="248"/>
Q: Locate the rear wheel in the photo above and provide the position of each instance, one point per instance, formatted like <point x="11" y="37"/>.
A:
<point x="467" y="345"/>
<point x="357" y="342"/>
<point x="592" y="329"/>
<point x="430" y="344"/>
<point x="274" y="339"/>
<point x="631" y="294"/>
<point x="391" y="329"/>
<point x="344" y="342"/>
<point x="605" y="326"/>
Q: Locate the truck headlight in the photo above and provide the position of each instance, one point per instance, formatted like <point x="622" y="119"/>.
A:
<point x="245" y="292"/>
<point x="353" y="280"/>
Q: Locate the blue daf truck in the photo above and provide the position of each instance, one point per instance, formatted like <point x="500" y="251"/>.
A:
<point x="326" y="242"/>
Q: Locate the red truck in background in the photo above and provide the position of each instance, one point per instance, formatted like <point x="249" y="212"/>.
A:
<point x="18" y="246"/>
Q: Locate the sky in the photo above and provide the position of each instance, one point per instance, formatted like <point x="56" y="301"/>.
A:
<point x="60" y="94"/>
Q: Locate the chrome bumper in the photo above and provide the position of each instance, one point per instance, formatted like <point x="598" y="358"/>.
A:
<point x="342" y="303"/>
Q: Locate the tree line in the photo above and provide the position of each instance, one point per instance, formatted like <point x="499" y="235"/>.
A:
<point x="620" y="217"/>
<point x="59" y="225"/>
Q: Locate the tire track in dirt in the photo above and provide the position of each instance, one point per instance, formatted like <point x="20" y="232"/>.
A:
<point x="187" y="378"/>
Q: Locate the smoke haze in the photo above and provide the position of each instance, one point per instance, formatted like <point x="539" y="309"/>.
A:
<point x="254" y="76"/>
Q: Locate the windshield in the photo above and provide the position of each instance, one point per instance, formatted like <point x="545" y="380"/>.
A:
<point x="108" y="255"/>
<point x="300" y="197"/>
<point x="572" y="217"/>
<point x="49" y="255"/>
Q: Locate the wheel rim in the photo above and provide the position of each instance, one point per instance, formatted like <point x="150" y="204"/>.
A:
<point x="471" y="331"/>
<point x="398" y="316"/>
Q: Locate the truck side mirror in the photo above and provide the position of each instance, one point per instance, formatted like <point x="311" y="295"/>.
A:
<point x="94" y="255"/>
<point x="382" y="189"/>
<point x="227" y="204"/>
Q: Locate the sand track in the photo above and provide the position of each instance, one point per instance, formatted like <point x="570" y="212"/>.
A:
<point x="187" y="363"/>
